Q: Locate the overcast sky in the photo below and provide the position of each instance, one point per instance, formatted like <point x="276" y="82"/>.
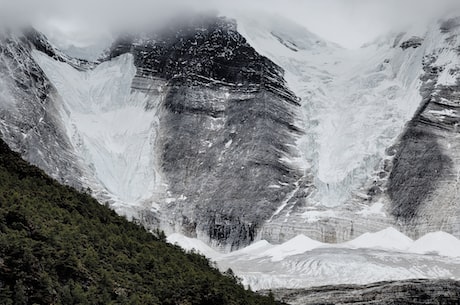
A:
<point x="347" y="22"/>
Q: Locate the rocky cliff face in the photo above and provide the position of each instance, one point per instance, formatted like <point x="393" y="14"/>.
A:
<point x="413" y="292"/>
<point x="227" y="122"/>
<point x="217" y="125"/>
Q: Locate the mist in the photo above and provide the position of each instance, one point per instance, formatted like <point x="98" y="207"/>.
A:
<point x="349" y="23"/>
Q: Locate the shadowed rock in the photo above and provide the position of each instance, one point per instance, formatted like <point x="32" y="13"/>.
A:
<point x="228" y="120"/>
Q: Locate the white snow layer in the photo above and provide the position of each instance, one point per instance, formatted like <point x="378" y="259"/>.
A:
<point x="193" y="244"/>
<point x="109" y="125"/>
<point x="388" y="239"/>
<point x="296" y="245"/>
<point x="354" y="102"/>
<point x="303" y="262"/>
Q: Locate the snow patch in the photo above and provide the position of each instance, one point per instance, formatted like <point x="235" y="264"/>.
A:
<point x="441" y="243"/>
<point x="388" y="239"/>
<point x="375" y="209"/>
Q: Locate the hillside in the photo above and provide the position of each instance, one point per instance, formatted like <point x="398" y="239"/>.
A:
<point x="60" y="246"/>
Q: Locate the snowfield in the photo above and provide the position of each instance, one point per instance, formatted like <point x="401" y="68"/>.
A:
<point x="302" y="262"/>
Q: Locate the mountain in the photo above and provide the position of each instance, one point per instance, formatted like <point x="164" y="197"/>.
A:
<point x="60" y="246"/>
<point x="234" y="131"/>
<point x="31" y="123"/>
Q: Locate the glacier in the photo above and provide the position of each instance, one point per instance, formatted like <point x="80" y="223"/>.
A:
<point x="355" y="102"/>
<point x="302" y="262"/>
<point x="111" y="128"/>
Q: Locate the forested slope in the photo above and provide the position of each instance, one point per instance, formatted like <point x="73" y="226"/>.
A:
<point x="60" y="246"/>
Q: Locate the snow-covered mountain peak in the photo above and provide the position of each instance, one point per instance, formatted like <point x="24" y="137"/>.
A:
<point x="270" y="33"/>
<point x="303" y="262"/>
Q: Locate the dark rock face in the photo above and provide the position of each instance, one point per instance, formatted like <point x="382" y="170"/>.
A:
<point x="413" y="42"/>
<point x="228" y="119"/>
<point x="410" y="292"/>
<point x="450" y="24"/>
<point x="418" y="158"/>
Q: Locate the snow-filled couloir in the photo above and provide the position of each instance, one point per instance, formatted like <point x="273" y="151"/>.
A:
<point x="289" y="149"/>
<point x="355" y="102"/>
<point x="110" y="126"/>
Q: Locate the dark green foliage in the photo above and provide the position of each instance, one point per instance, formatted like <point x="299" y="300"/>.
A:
<point x="59" y="246"/>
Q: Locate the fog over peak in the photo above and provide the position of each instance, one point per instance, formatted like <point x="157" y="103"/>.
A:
<point x="349" y="23"/>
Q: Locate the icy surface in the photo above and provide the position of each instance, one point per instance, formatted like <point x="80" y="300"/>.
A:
<point x="303" y="262"/>
<point x="355" y="102"/>
<point x="330" y="266"/>
<point x="388" y="239"/>
<point x="438" y="242"/>
<point x="109" y="126"/>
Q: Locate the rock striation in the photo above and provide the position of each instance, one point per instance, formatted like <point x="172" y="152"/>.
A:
<point x="410" y="292"/>
<point x="227" y="122"/>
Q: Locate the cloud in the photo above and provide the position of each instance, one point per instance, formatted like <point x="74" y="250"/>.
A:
<point x="354" y="22"/>
<point x="347" y="22"/>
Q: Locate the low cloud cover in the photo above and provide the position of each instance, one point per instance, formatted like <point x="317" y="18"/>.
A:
<point x="347" y="22"/>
